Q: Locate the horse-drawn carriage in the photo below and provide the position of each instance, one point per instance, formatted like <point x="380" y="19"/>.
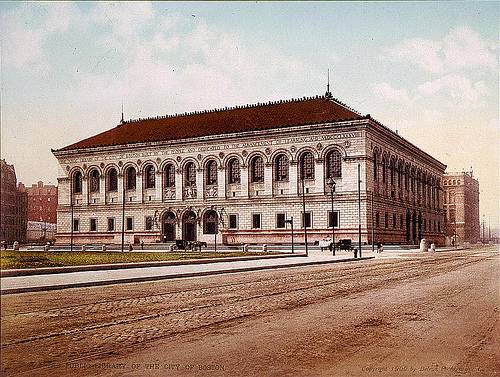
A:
<point x="189" y="245"/>
<point x="345" y="244"/>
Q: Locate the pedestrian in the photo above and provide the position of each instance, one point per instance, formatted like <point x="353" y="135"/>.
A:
<point x="380" y="247"/>
<point x="130" y="248"/>
<point x="142" y="244"/>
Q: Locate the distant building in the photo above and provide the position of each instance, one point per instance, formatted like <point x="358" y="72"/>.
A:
<point x="13" y="206"/>
<point x="42" y="211"/>
<point x="41" y="231"/>
<point x="461" y="204"/>
<point x="42" y="203"/>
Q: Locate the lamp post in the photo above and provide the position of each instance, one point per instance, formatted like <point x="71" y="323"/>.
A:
<point x="332" y="185"/>
<point x="290" y="221"/>
<point x="304" y="205"/>
<point x="72" y="214"/>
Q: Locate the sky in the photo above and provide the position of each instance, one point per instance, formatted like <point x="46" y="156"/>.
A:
<point x="427" y="69"/>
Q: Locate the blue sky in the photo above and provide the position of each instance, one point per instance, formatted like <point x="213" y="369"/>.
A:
<point x="428" y="69"/>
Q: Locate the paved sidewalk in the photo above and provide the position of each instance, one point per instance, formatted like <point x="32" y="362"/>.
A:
<point x="20" y="284"/>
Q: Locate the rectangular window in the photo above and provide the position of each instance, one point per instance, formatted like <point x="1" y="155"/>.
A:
<point x="233" y="222"/>
<point x="394" y="221"/>
<point x="256" y="221"/>
<point x="280" y="220"/>
<point x="377" y="220"/>
<point x="386" y="220"/>
<point x="307" y="220"/>
<point x="149" y="223"/>
<point x="111" y="224"/>
<point x="333" y="219"/>
<point x="130" y="223"/>
<point x="93" y="225"/>
<point x="401" y="221"/>
<point x="76" y="225"/>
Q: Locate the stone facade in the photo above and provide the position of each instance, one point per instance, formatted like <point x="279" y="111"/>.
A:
<point x="13" y="207"/>
<point x="249" y="183"/>
<point x="461" y="194"/>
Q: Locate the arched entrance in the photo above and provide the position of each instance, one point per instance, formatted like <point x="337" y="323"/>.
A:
<point x="210" y="222"/>
<point x="189" y="226"/>
<point x="168" y="227"/>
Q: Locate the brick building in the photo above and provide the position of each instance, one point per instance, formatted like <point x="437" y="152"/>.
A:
<point x="42" y="211"/>
<point x="238" y="171"/>
<point x="13" y="206"/>
<point x="42" y="203"/>
<point x="461" y="204"/>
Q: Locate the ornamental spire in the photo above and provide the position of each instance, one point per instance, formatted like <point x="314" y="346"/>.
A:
<point x="328" y="94"/>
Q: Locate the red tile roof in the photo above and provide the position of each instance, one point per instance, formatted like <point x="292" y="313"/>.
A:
<point x="223" y="121"/>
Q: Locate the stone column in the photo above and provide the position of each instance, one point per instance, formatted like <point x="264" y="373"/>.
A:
<point x="293" y="179"/>
<point x="200" y="184"/>
<point x="178" y="184"/>
<point x="319" y="174"/>
<point x="268" y="178"/>
<point x="158" y="186"/>
<point x="139" y="185"/>
<point x="221" y="182"/>
<point x="121" y="183"/>
<point x="102" y="189"/>
<point x="85" y="190"/>
<point x="244" y="180"/>
<point x="64" y="191"/>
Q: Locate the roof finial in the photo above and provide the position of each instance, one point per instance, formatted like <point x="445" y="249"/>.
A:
<point x="122" y="121"/>
<point x="328" y="94"/>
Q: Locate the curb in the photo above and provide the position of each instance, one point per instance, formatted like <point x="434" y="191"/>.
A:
<point x="166" y="277"/>
<point x="120" y="266"/>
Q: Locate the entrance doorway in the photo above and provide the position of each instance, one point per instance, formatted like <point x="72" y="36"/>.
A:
<point x="189" y="226"/>
<point x="168" y="227"/>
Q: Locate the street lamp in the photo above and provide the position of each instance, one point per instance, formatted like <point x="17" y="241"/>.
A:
<point x="332" y="185"/>
<point x="303" y="205"/>
<point x="290" y="221"/>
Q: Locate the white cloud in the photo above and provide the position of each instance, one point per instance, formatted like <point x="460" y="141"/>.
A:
<point x="125" y="18"/>
<point x="387" y="92"/>
<point x="461" y="48"/>
<point x="456" y="87"/>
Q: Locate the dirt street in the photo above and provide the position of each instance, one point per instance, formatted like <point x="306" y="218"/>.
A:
<point x="425" y="315"/>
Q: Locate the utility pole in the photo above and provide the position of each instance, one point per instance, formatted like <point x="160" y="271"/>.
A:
<point x="359" y="207"/>
<point x="123" y="216"/>
<point x="373" y="227"/>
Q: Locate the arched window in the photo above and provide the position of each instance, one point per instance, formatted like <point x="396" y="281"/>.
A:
<point x="210" y="222"/>
<point x="190" y="174"/>
<point x="211" y="173"/>
<point x="77" y="183"/>
<point x="170" y="175"/>
<point x="130" y="175"/>
<point x="334" y="164"/>
<point x="384" y="169"/>
<point x="150" y="177"/>
<point x="113" y="180"/>
<point x="257" y="169"/>
<point x="307" y="165"/>
<point x="234" y="171"/>
<point x="281" y="168"/>
<point x="407" y="176"/>
<point x="375" y="166"/>
<point x="392" y="168"/>
<point x="94" y="181"/>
